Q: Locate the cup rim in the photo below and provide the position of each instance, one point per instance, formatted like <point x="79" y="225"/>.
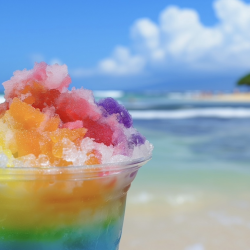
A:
<point x="94" y="169"/>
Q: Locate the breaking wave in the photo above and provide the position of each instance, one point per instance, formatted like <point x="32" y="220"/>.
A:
<point x="225" y="113"/>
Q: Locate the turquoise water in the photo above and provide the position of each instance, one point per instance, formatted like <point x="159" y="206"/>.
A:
<point x="209" y="151"/>
<point x="198" y="142"/>
<point x="205" y="150"/>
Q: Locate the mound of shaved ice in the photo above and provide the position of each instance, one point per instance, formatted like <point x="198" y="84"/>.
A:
<point x="43" y="123"/>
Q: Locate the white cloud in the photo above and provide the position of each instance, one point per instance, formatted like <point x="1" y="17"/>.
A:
<point x="179" y="38"/>
<point x="234" y="15"/>
<point x="146" y="37"/>
<point x="148" y="32"/>
<point x="121" y="63"/>
<point x="184" y="37"/>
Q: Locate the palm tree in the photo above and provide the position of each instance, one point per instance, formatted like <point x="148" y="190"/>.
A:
<point x="245" y="80"/>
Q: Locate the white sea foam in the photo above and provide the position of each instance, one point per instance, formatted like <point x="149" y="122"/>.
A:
<point x="181" y="199"/>
<point x="192" y="113"/>
<point x="141" y="198"/>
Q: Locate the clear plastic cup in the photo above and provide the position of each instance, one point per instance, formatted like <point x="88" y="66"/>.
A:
<point x="63" y="208"/>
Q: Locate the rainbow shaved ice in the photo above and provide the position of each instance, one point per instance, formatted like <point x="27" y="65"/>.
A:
<point x="66" y="163"/>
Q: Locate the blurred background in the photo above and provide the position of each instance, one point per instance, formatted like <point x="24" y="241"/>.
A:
<point x="179" y="67"/>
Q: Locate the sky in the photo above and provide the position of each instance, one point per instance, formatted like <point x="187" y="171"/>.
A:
<point x="130" y="45"/>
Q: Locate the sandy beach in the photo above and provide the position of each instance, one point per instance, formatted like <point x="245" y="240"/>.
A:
<point x="209" y="215"/>
<point x="234" y="97"/>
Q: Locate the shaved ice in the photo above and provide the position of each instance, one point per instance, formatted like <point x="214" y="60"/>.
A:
<point x="42" y="119"/>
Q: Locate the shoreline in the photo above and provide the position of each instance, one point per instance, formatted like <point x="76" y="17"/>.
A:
<point x="235" y="97"/>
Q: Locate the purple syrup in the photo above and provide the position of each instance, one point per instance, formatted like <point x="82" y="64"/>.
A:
<point x="136" y="139"/>
<point x="111" y="106"/>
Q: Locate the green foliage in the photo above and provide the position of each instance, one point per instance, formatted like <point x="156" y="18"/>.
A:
<point x="245" y="80"/>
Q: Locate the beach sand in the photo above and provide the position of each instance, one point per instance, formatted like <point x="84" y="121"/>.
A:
<point x="211" y="214"/>
<point x="234" y="97"/>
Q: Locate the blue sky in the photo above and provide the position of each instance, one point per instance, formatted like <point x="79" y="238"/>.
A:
<point x="170" y="45"/>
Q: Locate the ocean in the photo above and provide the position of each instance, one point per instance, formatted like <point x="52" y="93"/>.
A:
<point x="194" y="193"/>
